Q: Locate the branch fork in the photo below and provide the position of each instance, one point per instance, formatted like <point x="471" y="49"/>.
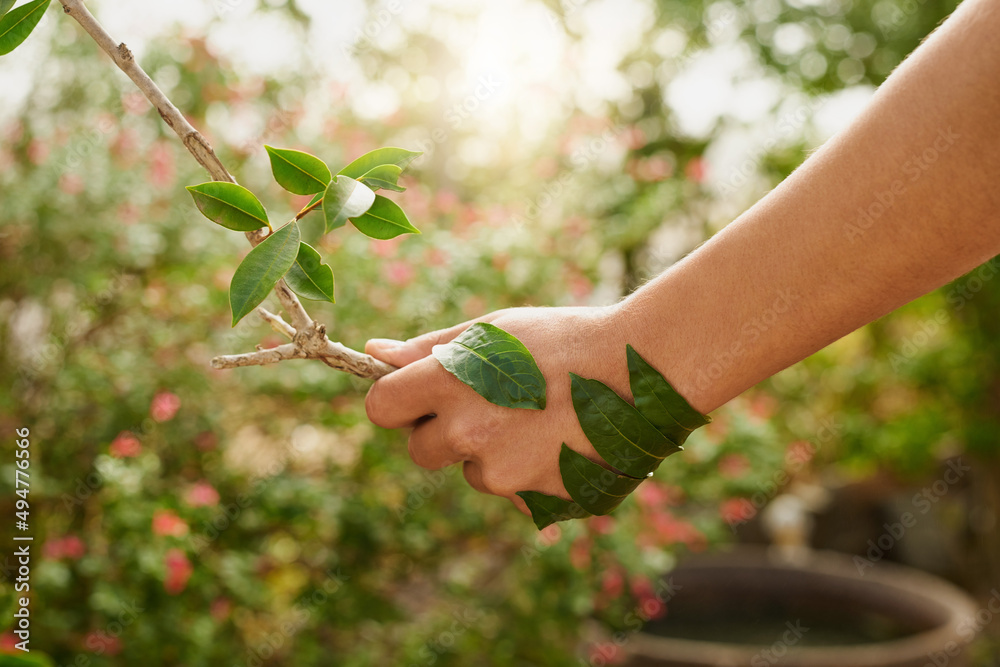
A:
<point x="309" y="339"/>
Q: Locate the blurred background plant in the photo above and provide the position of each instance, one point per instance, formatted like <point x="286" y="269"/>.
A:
<point x="572" y="150"/>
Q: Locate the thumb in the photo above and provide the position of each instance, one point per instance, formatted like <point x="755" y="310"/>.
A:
<point x="401" y="353"/>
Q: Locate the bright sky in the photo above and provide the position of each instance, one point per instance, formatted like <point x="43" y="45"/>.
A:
<point x="516" y="45"/>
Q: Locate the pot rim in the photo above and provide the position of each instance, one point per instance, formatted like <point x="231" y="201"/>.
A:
<point x="908" y="583"/>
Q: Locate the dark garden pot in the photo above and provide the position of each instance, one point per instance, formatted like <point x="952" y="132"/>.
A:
<point x="749" y="608"/>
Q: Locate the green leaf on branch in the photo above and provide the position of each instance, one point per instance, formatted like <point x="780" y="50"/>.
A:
<point x="497" y="365"/>
<point x="299" y="173"/>
<point x="345" y="198"/>
<point x="399" y="157"/>
<point x="383" y="176"/>
<point x="5" y="6"/>
<point x="309" y="277"/>
<point x="619" y="433"/>
<point x="384" y="220"/>
<point x="16" y="25"/>
<point x="659" y="402"/>
<point x="546" y="510"/>
<point x="594" y="488"/>
<point x="230" y="205"/>
<point x="261" y="270"/>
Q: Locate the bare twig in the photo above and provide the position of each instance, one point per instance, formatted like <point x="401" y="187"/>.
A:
<point x="310" y="341"/>
<point x="278" y="324"/>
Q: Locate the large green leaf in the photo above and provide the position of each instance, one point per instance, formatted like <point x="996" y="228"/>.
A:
<point x="395" y="156"/>
<point x="5" y="6"/>
<point x="230" y="205"/>
<point x="594" y="488"/>
<point x="384" y="220"/>
<point x="298" y="172"/>
<point x="309" y="277"/>
<point x="384" y="176"/>
<point x="497" y="365"/>
<point x="546" y="510"/>
<point x="659" y="402"/>
<point x="619" y="433"/>
<point x="345" y="198"/>
<point x="261" y="270"/>
<point x="18" y="24"/>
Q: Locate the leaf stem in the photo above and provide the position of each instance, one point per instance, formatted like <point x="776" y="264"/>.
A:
<point x="311" y="207"/>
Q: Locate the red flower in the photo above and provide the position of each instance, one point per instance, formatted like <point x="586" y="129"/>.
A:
<point x="202" y="494"/>
<point x="167" y="523"/>
<point x="70" y="546"/>
<point x="164" y="406"/>
<point x="613" y="583"/>
<point x="736" y="511"/>
<point x="696" y="170"/>
<point x="179" y="570"/>
<point x="125" y="445"/>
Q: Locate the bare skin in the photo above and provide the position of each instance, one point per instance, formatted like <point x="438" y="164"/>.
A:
<point x="904" y="200"/>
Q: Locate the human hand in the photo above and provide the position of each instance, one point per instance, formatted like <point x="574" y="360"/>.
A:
<point x="502" y="450"/>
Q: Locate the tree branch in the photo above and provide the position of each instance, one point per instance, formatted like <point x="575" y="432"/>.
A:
<point x="310" y="338"/>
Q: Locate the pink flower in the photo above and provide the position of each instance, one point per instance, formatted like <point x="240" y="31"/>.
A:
<point x="125" y="445"/>
<point x="696" y="170"/>
<point x="603" y="525"/>
<point x="167" y="523"/>
<point x="550" y="535"/>
<point x="71" y="184"/>
<point x="8" y="641"/>
<point x="579" y="553"/>
<point x="736" y="511"/>
<point x="70" y="546"/>
<point x="733" y="466"/>
<point x="164" y="406"/>
<point x="613" y="583"/>
<point x="220" y="609"/>
<point x="799" y="452"/>
<point x="653" y="495"/>
<point x="161" y="165"/>
<point x="202" y="494"/>
<point x="179" y="570"/>
<point x="206" y="441"/>
<point x="400" y="273"/>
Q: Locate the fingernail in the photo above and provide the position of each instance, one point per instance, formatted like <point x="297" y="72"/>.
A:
<point x="385" y="344"/>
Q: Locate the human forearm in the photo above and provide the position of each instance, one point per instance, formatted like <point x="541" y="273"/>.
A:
<point x="903" y="201"/>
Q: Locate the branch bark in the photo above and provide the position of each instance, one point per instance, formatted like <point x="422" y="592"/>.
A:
<point x="310" y="340"/>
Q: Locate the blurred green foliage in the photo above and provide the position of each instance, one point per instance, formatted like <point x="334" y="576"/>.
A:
<point x="190" y="516"/>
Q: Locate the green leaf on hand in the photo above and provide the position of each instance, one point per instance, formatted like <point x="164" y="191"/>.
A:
<point x="383" y="176"/>
<point x="5" y="6"/>
<point x="299" y="173"/>
<point x="384" y="220"/>
<point x="659" y="402"/>
<point x="619" y="432"/>
<point x="594" y="488"/>
<point x="345" y="198"/>
<point x="18" y="24"/>
<point x="309" y="277"/>
<point x="261" y="270"/>
<point x="230" y="205"/>
<point x="399" y="157"/>
<point x="546" y="510"/>
<point x="496" y="365"/>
